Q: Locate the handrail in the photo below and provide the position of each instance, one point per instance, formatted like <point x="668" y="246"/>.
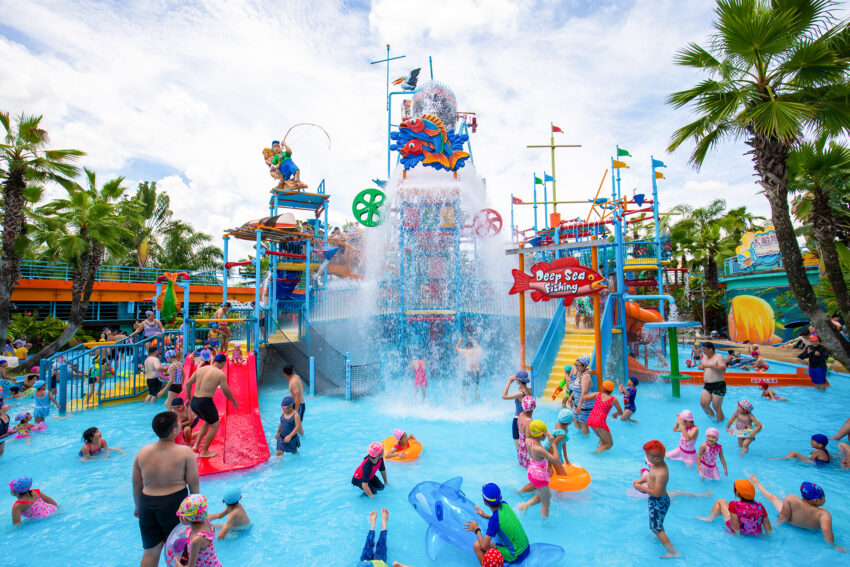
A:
<point x="546" y="353"/>
<point x="38" y="269"/>
<point x="218" y="320"/>
<point x="607" y="324"/>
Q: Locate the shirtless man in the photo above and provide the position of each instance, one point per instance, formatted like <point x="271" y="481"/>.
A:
<point x="472" y="360"/>
<point x="805" y="512"/>
<point x="221" y="313"/>
<point x="296" y="390"/>
<point x="161" y="473"/>
<point x="152" y="366"/>
<point x="713" y="367"/>
<point x="207" y="380"/>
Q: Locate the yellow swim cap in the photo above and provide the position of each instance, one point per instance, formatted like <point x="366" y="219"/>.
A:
<point x="537" y="428"/>
<point x="608" y="386"/>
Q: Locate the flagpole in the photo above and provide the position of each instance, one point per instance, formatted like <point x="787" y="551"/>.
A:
<point x="546" y="200"/>
<point x="655" y="208"/>
<point x="513" y="233"/>
<point x="552" y="143"/>
<point x="533" y="181"/>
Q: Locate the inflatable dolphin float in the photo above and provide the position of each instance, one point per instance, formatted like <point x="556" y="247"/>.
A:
<point x="445" y="508"/>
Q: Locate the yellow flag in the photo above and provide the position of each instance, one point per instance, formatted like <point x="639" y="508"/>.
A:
<point x="659" y="175"/>
<point x="620" y="164"/>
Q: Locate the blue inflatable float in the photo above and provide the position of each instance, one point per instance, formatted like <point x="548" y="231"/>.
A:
<point x="445" y="508"/>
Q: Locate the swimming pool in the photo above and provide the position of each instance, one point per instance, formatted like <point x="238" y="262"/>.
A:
<point x="306" y="513"/>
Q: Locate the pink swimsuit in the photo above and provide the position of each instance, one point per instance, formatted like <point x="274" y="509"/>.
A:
<point x="39" y="509"/>
<point x="207" y="557"/>
<point x="537" y="473"/>
<point x="750" y="516"/>
<point x="419" y="378"/>
<point x="522" y="450"/>
<point x="599" y="414"/>
<point x="685" y="451"/>
<point x="708" y="462"/>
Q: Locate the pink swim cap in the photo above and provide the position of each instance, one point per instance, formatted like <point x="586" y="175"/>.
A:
<point x="398" y="434"/>
<point x="712" y="431"/>
<point x="528" y="403"/>
<point x="375" y="449"/>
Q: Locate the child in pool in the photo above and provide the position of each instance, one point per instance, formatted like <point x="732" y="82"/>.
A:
<point x="95" y="445"/>
<point x="766" y="392"/>
<point x="366" y="475"/>
<point x="24" y="427"/>
<point x="5" y="419"/>
<point x="522" y="380"/>
<point x="287" y="432"/>
<point x="236" y="357"/>
<point x="689" y="433"/>
<point x="744" y="516"/>
<point x="819" y="455"/>
<point x="187" y="418"/>
<point x="523" y="419"/>
<point x="561" y="435"/>
<point x="655" y="485"/>
<point x="708" y="454"/>
<point x="375" y="554"/>
<point x="629" y="395"/>
<point x="598" y="418"/>
<point x="213" y="338"/>
<point x="744" y="425"/>
<point x="538" y="467"/>
<point x="403" y="440"/>
<point x="237" y="517"/>
<point x="42" y="400"/>
<point x="760" y="365"/>
<point x="420" y="378"/>
<point x="201" y="546"/>
<point x="31" y="503"/>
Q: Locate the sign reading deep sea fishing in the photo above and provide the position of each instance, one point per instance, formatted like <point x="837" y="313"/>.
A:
<point x="564" y="278"/>
<point x="758" y="248"/>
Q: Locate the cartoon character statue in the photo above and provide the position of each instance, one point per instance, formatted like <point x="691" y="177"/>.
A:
<point x="282" y="167"/>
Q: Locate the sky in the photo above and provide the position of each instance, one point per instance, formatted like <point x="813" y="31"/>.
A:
<point x="187" y="93"/>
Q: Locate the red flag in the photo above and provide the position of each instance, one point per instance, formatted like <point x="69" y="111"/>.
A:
<point x="516" y="200"/>
<point x="556" y="129"/>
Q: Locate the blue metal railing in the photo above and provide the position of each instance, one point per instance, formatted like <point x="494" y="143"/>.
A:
<point x="544" y="358"/>
<point x="37" y="269"/>
<point x="607" y="324"/>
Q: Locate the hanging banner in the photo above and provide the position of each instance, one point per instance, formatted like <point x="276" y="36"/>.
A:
<point x="758" y="249"/>
<point x="564" y="278"/>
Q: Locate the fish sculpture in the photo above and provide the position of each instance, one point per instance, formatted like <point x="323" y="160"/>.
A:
<point x="426" y="140"/>
<point x="445" y="508"/>
<point x="564" y="278"/>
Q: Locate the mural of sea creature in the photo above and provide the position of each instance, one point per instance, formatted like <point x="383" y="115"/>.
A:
<point x="425" y="140"/>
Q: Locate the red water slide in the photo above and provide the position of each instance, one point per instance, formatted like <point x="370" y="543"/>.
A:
<point x="240" y="442"/>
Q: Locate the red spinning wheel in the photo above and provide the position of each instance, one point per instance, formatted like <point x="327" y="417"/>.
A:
<point x="487" y="223"/>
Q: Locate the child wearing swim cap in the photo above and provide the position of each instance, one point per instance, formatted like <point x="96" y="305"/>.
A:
<point x="528" y="404"/>
<point x="237" y="517"/>
<point x="598" y="418"/>
<point x="193" y="511"/>
<point x="819" y="456"/>
<point x="42" y="398"/>
<point x="629" y="395"/>
<point x="654" y="484"/>
<point x="687" y="440"/>
<point x="504" y="532"/>
<point x="5" y="420"/>
<point x="31" y="503"/>
<point x="287" y="432"/>
<point x="744" y="425"/>
<point x="403" y="440"/>
<point x="806" y="512"/>
<point x="236" y="355"/>
<point x="766" y="392"/>
<point x="366" y="475"/>
<point x="538" y="467"/>
<point x="522" y="380"/>
<point x="708" y="454"/>
<point x="561" y="435"/>
<point x="744" y="516"/>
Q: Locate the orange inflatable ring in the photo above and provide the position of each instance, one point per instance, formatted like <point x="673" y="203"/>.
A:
<point x="576" y="479"/>
<point x="411" y="453"/>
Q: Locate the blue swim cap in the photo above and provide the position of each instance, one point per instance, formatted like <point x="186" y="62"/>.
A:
<point x="634" y="379"/>
<point x="492" y="494"/>
<point x="213" y="325"/>
<point x="819" y="438"/>
<point x="205" y="355"/>
<point x="584" y="360"/>
<point x="811" y="491"/>
<point x="565" y="416"/>
<point x="522" y="376"/>
<point x="232" y="495"/>
<point x="39" y="383"/>
<point x="287" y="401"/>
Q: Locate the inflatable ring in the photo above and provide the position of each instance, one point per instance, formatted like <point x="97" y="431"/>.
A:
<point x="410" y="454"/>
<point x="576" y="479"/>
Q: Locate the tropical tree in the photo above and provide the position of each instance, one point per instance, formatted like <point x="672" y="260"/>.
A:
<point x="178" y="245"/>
<point x="776" y="69"/>
<point x="25" y="163"/>
<point x="79" y="230"/>
<point x="820" y="172"/>
<point x="156" y="214"/>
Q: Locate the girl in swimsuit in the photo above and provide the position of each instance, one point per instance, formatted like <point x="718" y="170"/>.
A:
<point x="521" y="378"/>
<point x="524" y="418"/>
<point x="598" y="418"/>
<point x="420" y="380"/>
<point x="193" y="511"/>
<point x="5" y="419"/>
<point x="708" y="454"/>
<point x="744" y="425"/>
<point x="685" y="451"/>
<point x="95" y="445"/>
<point x="539" y="461"/>
<point x="31" y="503"/>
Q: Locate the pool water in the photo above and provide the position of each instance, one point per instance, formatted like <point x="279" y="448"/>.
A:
<point x="306" y="513"/>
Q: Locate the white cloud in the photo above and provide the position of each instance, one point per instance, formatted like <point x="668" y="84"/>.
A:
<point x="201" y="87"/>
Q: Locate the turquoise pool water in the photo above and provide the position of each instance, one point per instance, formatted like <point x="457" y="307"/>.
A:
<point x="306" y="512"/>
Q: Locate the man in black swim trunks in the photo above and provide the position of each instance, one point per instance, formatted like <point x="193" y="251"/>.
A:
<point x="713" y="366"/>
<point x="161" y="473"/>
<point x="207" y="380"/>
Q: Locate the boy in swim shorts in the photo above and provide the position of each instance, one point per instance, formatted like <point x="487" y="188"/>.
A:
<point x="504" y="531"/>
<point x="655" y="485"/>
<point x="236" y="516"/>
<point x="819" y="455"/>
<point x="629" y="395"/>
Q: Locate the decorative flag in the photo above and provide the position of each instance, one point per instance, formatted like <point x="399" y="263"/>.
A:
<point x="556" y="129"/>
<point x="657" y="163"/>
<point x="659" y="175"/>
<point x="538" y="181"/>
<point x="621" y="152"/>
<point x="639" y="198"/>
<point x="620" y="164"/>
<point x="516" y="200"/>
<point x="547" y="177"/>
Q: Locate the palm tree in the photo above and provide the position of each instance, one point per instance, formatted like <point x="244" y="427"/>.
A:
<point x="79" y="230"/>
<point x="157" y="215"/>
<point x="25" y="163"/>
<point x="821" y="172"/>
<point x="776" y="68"/>
<point x="180" y="246"/>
